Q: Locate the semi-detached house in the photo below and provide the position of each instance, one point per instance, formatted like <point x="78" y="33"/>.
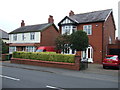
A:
<point x="100" y="28"/>
<point x="29" y="38"/>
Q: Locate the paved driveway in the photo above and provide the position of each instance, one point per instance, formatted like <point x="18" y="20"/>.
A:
<point x="98" y="69"/>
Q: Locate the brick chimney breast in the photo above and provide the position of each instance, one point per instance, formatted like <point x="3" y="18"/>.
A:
<point x="22" y="23"/>
<point x="71" y="13"/>
<point x="50" y="19"/>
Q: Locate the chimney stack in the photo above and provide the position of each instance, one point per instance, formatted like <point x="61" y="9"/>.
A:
<point x="71" y="13"/>
<point x="22" y="23"/>
<point x="50" y="19"/>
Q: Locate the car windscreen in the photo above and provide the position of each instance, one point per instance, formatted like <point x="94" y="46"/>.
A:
<point x="39" y="50"/>
<point x="112" y="57"/>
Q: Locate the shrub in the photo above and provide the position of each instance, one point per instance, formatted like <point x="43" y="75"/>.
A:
<point x="46" y="56"/>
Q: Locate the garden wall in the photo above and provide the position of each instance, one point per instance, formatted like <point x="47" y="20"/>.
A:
<point x="72" y="66"/>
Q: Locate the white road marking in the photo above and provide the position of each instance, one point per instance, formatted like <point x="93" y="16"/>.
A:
<point x="54" y="87"/>
<point x="51" y="87"/>
<point x="10" y="77"/>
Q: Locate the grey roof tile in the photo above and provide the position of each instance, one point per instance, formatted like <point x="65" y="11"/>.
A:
<point x="31" y="28"/>
<point x="95" y="16"/>
<point x="91" y="16"/>
<point x="3" y="34"/>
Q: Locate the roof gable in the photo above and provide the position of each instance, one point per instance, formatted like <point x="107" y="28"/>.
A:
<point x="67" y="20"/>
<point x="32" y="28"/>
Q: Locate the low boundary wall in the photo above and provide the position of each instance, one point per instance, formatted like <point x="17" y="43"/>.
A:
<point x="72" y="66"/>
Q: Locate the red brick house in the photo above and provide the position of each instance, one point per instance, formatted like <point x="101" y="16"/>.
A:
<point x="29" y="38"/>
<point x="100" y="28"/>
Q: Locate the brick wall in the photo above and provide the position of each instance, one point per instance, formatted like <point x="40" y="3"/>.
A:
<point x="49" y="36"/>
<point x="95" y="40"/>
<point x="72" y="66"/>
<point x="109" y="31"/>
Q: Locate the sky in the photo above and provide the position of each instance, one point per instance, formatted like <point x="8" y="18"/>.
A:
<point x="38" y="11"/>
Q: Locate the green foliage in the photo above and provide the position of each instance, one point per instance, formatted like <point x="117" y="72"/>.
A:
<point x="61" y="41"/>
<point x="46" y="56"/>
<point x="79" y="40"/>
<point x="5" y="48"/>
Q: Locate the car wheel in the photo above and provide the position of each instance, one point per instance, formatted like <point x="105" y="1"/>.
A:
<point x="104" y="67"/>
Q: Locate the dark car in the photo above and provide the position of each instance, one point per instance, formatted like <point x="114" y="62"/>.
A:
<point x="111" y="61"/>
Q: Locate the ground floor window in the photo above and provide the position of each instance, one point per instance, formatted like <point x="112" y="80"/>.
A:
<point x="30" y="48"/>
<point x="12" y="49"/>
<point x="68" y="50"/>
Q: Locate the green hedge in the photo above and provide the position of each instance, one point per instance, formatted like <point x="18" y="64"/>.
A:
<point x="45" y="56"/>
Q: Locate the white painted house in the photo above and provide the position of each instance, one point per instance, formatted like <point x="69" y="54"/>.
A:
<point x="29" y="38"/>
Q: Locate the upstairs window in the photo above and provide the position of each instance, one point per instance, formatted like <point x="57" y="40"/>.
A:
<point x="14" y="37"/>
<point x="32" y="35"/>
<point x="68" y="29"/>
<point x="88" y="29"/>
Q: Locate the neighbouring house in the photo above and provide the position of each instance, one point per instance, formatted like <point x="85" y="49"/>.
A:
<point x="4" y="36"/>
<point x="29" y="38"/>
<point x="100" y="28"/>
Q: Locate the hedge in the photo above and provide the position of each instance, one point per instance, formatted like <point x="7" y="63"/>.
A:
<point x="45" y="56"/>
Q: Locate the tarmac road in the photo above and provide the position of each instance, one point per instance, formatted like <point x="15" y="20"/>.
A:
<point x="27" y="76"/>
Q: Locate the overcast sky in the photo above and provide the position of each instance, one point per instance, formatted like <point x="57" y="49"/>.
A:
<point x="38" y="11"/>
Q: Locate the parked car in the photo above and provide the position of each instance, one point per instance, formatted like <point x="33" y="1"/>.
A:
<point x="111" y="61"/>
<point x="46" y="49"/>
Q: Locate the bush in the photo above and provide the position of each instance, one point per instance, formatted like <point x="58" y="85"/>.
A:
<point x="45" y="56"/>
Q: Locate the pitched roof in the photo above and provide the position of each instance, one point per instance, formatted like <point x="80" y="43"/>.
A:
<point x="96" y="16"/>
<point x="3" y="34"/>
<point x="32" y="28"/>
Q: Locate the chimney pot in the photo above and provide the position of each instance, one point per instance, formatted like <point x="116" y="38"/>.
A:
<point x="22" y="23"/>
<point x="50" y="19"/>
<point x="71" y="13"/>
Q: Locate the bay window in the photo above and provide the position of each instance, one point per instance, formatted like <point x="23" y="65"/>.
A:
<point x="30" y="48"/>
<point x="68" y="29"/>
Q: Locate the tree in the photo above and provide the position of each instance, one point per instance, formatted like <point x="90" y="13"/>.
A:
<point x="5" y="48"/>
<point x="61" y="42"/>
<point x="79" y="40"/>
<point x="76" y="41"/>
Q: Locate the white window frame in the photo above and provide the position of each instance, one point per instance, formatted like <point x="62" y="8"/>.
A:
<point x="88" y="29"/>
<point x="30" y="48"/>
<point x="12" y="49"/>
<point x="68" y="29"/>
<point x="68" y="50"/>
<point x="32" y="36"/>
<point x="14" y="37"/>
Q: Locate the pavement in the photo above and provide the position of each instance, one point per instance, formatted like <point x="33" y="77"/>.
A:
<point x="92" y="69"/>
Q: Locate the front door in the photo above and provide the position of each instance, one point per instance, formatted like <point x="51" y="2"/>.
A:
<point x="88" y="54"/>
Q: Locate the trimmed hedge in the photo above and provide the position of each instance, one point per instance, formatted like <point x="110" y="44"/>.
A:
<point x="45" y="56"/>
